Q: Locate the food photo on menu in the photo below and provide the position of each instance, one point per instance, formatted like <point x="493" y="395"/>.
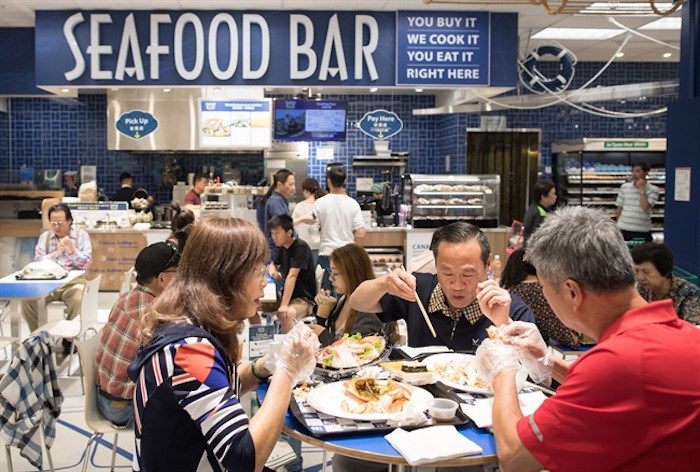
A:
<point x="290" y="123"/>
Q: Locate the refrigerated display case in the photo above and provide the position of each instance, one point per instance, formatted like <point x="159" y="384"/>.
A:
<point x="436" y="200"/>
<point x="590" y="171"/>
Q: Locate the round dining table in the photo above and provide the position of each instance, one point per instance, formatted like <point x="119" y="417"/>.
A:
<point x="373" y="447"/>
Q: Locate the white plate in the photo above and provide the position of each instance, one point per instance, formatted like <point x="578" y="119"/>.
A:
<point x="328" y="399"/>
<point x="451" y="357"/>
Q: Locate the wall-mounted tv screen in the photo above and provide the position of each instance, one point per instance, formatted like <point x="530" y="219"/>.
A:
<point x="310" y="120"/>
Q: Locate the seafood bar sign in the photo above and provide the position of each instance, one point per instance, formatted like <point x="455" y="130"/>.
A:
<point x="272" y="47"/>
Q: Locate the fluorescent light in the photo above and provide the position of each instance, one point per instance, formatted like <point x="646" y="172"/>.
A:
<point x="667" y="23"/>
<point x="666" y="54"/>
<point x="620" y="54"/>
<point x="166" y="90"/>
<point x="586" y="34"/>
<point x="627" y="9"/>
<point x="373" y="89"/>
<point x="419" y="90"/>
<point x="65" y="90"/>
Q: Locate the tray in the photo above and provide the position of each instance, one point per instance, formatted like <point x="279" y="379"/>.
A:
<point x="333" y="373"/>
<point x="30" y="277"/>
<point x="320" y="425"/>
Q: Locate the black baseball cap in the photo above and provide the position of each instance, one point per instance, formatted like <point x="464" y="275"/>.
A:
<point x="156" y="258"/>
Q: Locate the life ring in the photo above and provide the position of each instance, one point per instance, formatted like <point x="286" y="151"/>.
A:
<point x="535" y="81"/>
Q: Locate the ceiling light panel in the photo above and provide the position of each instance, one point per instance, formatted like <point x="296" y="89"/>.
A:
<point x="620" y="8"/>
<point x="583" y="34"/>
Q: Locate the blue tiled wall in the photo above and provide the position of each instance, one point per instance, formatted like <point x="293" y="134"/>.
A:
<point x="58" y="133"/>
<point x="4" y="143"/>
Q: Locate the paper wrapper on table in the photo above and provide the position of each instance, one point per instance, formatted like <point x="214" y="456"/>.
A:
<point x="432" y="444"/>
<point x="480" y="410"/>
<point x="43" y="270"/>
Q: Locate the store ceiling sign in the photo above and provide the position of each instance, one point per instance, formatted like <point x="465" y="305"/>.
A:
<point x="136" y="124"/>
<point x="275" y="48"/>
<point x="211" y="47"/>
<point x="626" y="144"/>
<point x="443" y="48"/>
<point x="381" y="124"/>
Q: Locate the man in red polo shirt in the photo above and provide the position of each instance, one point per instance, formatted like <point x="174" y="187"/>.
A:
<point x="630" y="403"/>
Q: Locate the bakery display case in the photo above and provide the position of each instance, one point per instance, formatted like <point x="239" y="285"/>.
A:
<point x="436" y="200"/>
<point x="590" y="171"/>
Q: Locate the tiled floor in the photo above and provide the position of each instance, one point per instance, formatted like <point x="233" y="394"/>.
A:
<point x="72" y="434"/>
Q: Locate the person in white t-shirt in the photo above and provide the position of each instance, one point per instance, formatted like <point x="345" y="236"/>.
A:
<point x="634" y="203"/>
<point x="308" y="232"/>
<point x="339" y="218"/>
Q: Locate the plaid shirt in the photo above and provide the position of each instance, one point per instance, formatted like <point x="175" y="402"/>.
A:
<point x="81" y="257"/>
<point x="437" y="302"/>
<point x="29" y="397"/>
<point x="119" y="342"/>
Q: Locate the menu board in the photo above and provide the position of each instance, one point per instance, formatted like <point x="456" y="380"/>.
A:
<point x="310" y="120"/>
<point x="235" y="124"/>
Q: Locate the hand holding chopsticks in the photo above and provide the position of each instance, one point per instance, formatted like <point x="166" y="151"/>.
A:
<point x="406" y="285"/>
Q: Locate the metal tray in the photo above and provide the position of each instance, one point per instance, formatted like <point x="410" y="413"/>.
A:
<point x="29" y="277"/>
<point x="320" y="425"/>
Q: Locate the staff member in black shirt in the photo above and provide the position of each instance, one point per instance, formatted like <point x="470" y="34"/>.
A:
<point x="126" y="189"/>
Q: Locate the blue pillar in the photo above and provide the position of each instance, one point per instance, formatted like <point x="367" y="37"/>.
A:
<point x="682" y="220"/>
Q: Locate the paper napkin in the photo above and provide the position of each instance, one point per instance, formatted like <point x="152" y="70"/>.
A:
<point x="431" y="444"/>
<point x="414" y="352"/>
<point x="480" y="409"/>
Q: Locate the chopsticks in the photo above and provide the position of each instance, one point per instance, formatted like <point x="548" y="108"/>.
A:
<point x="422" y="310"/>
<point x="425" y="315"/>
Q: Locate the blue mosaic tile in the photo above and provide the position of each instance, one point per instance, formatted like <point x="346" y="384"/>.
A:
<point x="67" y="133"/>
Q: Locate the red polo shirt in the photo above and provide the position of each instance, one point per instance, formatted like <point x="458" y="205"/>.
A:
<point x="630" y="403"/>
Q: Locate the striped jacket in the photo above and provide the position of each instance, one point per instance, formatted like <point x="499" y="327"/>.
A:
<point x="186" y="405"/>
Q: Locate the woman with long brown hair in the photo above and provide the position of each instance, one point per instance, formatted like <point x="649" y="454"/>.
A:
<point x="350" y="266"/>
<point x="187" y="375"/>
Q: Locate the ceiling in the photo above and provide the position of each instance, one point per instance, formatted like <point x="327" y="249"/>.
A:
<point x="532" y="19"/>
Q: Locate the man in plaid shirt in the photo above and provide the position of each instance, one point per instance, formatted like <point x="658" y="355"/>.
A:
<point x="70" y="248"/>
<point x="155" y="267"/>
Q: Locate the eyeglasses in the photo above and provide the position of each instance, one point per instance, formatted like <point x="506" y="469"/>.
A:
<point x="262" y="273"/>
<point x="335" y="275"/>
<point x="58" y="223"/>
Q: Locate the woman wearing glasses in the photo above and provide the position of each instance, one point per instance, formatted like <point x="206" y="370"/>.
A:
<point x="350" y="266"/>
<point x="188" y="379"/>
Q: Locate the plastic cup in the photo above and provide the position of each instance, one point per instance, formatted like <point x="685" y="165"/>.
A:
<point x="325" y="307"/>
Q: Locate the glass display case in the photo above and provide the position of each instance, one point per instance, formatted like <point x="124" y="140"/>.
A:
<point x="436" y="200"/>
<point x="590" y="171"/>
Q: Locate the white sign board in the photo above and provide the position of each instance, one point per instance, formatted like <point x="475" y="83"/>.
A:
<point x="681" y="191"/>
<point x="417" y="242"/>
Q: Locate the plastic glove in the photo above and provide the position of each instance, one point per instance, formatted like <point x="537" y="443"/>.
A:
<point x="493" y="357"/>
<point x="295" y="356"/>
<point x="532" y="350"/>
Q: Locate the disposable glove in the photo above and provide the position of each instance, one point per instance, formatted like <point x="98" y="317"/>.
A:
<point x="532" y="350"/>
<point x="493" y="357"/>
<point x="295" y="356"/>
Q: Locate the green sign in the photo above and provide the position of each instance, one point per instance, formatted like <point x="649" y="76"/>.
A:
<point x="626" y="144"/>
